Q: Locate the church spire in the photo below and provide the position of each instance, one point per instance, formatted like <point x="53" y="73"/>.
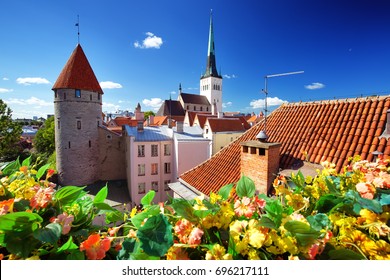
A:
<point x="211" y="67"/>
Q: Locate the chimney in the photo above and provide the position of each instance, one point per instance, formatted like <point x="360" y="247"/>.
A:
<point x="169" y="122"/>
<point x="386" y="131"/>
<point x="140" y="126"/>
<point x="220" y="115"/>
<point x="260" y="162"/>
<point x="179" y="127"/>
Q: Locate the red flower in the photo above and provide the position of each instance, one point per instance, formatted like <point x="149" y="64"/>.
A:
<point x="95" y="248"/>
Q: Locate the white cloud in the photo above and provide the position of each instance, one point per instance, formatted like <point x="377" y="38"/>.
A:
<point x="109" y="107"/>
<point x="229" y="76"/>
<point x="151" y="41"/>
<point x="5" y="79"/>
<point x="109" y="85"/>
<point x="315" y="86"/>
<point x="155" y="103"/>
<point x="227" y="104"/>
<point x="5" y="90"/>
<point x="172" y="92"/>
<point x="29" y="81"/>
<point x="271" y="101"/>
<point x="32" y="101"/>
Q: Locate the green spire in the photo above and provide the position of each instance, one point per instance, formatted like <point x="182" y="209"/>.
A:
<point x="211" y="66"/>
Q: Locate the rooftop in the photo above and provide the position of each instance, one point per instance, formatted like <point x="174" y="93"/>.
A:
<point x="330" y="130"/>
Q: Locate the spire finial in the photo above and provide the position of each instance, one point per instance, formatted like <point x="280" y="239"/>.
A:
<point x="78" y="29"/>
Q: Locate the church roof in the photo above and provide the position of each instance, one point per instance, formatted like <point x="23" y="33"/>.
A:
<point x="78" y="74"/>
<point x="170" y="108"/>
<point x="195" y="99"/>
<point x="332" y="131"/>
<point x="211" y="65"/>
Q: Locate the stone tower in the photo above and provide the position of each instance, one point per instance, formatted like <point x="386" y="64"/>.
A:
<point x="78" y="115"/>
<point x="211" y="81"/>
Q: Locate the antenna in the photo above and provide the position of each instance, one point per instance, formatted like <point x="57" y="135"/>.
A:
<point x="265" y="90"/>
<point x="78" y="28"/>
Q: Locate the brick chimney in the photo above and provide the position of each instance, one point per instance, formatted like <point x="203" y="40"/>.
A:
<point x="260" y="162"/>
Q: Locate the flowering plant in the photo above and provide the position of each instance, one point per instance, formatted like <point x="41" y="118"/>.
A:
<point x="332" y="216"/>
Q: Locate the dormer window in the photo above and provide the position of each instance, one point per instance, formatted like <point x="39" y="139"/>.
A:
<point x="78" y="93"/>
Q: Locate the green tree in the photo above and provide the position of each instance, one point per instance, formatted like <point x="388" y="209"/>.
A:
<point x="148" y="113"/>
<point x="44" y="141"/>
<point x="10" y="133"/>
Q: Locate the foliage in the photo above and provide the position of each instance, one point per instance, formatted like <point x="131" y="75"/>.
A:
<point x="147" y="114"/>
<point x="10" y="133"/>
<point x="331" y="216"/>
<point x="44" y="141"/>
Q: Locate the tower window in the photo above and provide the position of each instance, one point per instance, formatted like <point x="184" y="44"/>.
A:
<point x="201" y="108"/>
<point x="90" y="97"/>
<point x="89" y="143"/>
<point x="55" y="94"/>
<point x="78" y="124"/>
<point x="58" y="124"/>
<point x="98" y="96"/>
<point x="78" y="93"/>
<point x="69" y="144"/>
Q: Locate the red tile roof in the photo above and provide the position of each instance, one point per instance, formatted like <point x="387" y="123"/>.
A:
<point x="225" y="124"/>
<point x="331" y="130"/>
<point x="78" y="74"/>
<point x="201" y="119"/>
<point x="119" y="121"/>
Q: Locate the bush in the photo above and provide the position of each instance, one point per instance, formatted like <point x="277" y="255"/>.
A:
<point x="332" y="216"/>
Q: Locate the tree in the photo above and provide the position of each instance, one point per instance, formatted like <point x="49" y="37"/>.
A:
<point x="44" y="141"/>
<point x="148" y="113"/>
<point x="10" y="133"/>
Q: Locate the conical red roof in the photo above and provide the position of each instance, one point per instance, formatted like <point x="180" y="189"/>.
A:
<point x="78" y="74"/>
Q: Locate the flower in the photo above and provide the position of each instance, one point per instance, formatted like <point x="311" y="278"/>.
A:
<point x="195" y="236"/>
<point x="42" y="197"/>
<point x="182" y="229"/>
<point x="244" y="207"/>
<point x="6" y="206"/>
<point x="177" y="253"/>
<point x="218" y="252"/>
<point x="366" y="190"/>
<point x="94" y="247"/>
<point x="65" y="221"/>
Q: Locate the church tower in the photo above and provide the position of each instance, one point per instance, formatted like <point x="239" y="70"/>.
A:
<point x="78" y="115"/>
<point x="211" y="81"/>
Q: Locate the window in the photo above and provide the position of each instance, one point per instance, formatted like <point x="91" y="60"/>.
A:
<point x="154" y="150"/>
<point x="141" y="150"/>
<point x="167" y="167"/>
<point x="155" y="186"/>
<point x="154" y="168"/>
<point x="90" y="97"/>
<point x="55" y="94"/>
<point x="77" y="93"/>
<point x="58" y="124"/>
<point x="194" y="108"/>
<point x="141" y="169"/>
<point x="141" y="187"/>
<point x="167" y="149"/>
<point x="201" y="108"/>
<point x="78" y="124"/>
<point x="69" y="144"/>
<point x="166" y="187"/>
<point x="98" y="96"/>
<point x="89" y="143"/>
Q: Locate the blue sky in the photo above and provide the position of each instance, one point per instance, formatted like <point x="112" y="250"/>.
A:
<point x="141" y="50"/>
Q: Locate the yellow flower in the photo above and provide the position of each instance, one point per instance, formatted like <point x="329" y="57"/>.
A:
<point x="256" y="238"/>
<point x="382" y="251"/>
<point x="252" y="255"/>
<point x="133" y="212"/>
<point x="368" y="216"/>
<point x="177" y="253"/>
<point x="214" y="198"/>
<point x="218" y="252"/>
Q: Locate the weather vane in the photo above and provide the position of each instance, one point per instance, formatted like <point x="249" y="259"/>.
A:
<point x="78" y="28"/>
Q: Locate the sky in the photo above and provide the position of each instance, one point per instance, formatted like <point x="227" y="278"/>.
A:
<point x="141" y="51"/>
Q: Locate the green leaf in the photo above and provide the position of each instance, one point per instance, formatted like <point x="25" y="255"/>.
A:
<point x="267" y="222"/>
<point x="225" y="191"/>
<point x="345" y="254"/>
<point x="319" y="221"/>
<point x="114" y="216"/>
<point x="353" y="198"/>
<point x="138" y="219"/>
<point x="245" y="187"/>
<point x="21" y="246"/>
<point x="304" y="234"/>
<point x="298" y="179"/>
<point x="101" y="195"/>
<point x="26" y="162"/>
<point x="332" y="184"/>
<point x="68" y="246"/>
<point x="156" y="236"/>
<point x="127" y="249"/>
<point x="384" y="199"/>
<point x="184" y="209"/>
<point x="23" y="222"/>
<point x="42" y="171"/>
<point x="50" y="234"/>
<point x="11" y="167"/>
<point x="148" y="198"/>
<point x="69" y="194"/>
<point x="326" y="202"/>
<point x="274" y="211"/>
